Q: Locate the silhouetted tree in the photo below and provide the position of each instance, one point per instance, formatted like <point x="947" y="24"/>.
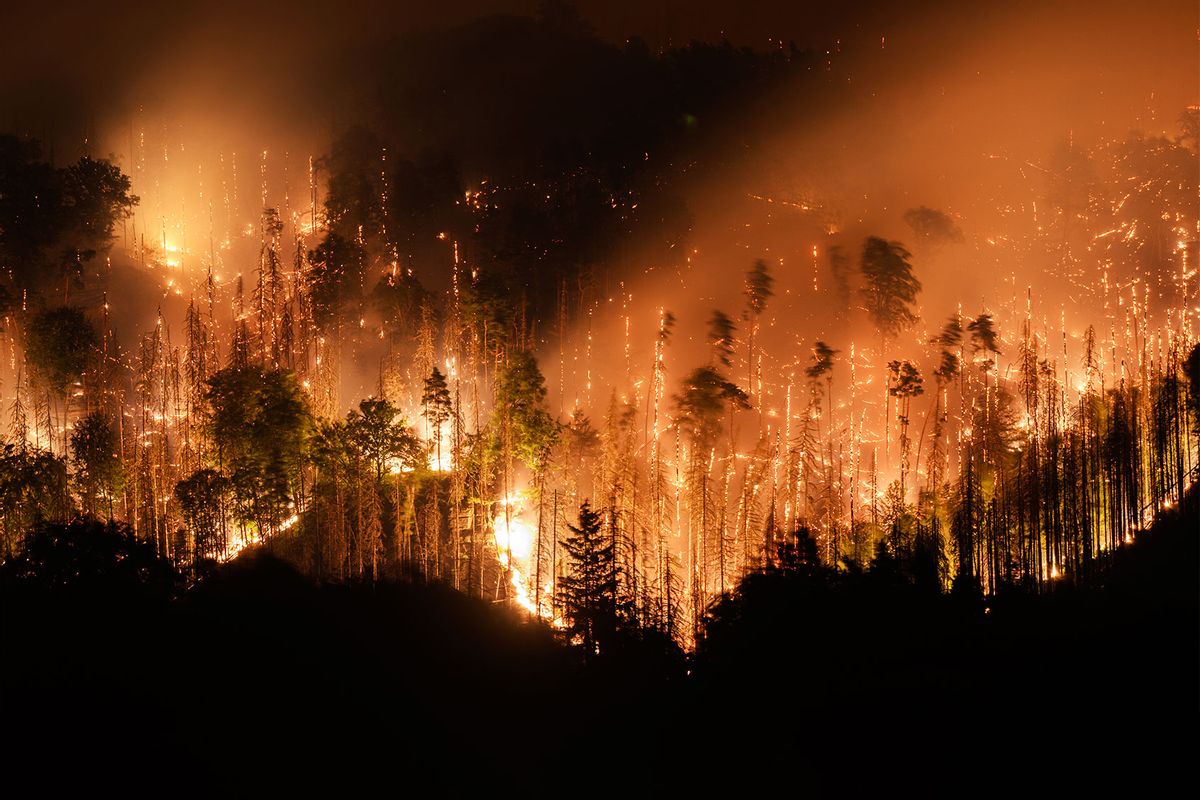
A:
<point x="89" y="559"/>
<point x="890" y="289"/>
<point x="588" y="592"/>
<point x="932" y="227"/>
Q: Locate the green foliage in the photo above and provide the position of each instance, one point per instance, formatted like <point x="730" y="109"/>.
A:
<point x="60" y="344"/>
<point x="380" y="435"/>
<point x="399" y="298"/>
<point x="261" y="424"/>
<point x="352" y="192"/>
<point x="435" y="400"/>
<point x="98" y="471"/>
<point x="520" y="400"/>
<point x="331" y="276"/>
<point x="1191" y="368"/>
<point x="798" y="553"/>
<point x="890" y="289"/>
<point x="90" y="559"/>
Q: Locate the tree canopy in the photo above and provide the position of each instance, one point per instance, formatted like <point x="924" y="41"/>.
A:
<point x="890" y="289"/>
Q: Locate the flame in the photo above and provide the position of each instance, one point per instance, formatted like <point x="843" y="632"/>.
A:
<point x="515" y="537"/>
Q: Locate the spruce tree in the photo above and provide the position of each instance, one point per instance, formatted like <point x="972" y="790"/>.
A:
<point x="588" y="593"/>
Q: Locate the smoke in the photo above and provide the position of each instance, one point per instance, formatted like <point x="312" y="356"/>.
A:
<point x="215" y="109"/>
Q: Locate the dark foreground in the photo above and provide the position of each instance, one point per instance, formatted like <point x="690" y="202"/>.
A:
<point x="259" y="683"/>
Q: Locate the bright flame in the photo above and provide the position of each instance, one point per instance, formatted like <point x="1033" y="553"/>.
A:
<point x="514" y="537"/>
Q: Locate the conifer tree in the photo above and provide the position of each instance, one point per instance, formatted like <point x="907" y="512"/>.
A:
<point x="588" y="592"/>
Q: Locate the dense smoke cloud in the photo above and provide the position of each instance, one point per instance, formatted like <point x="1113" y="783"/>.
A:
<point x="956" y="107"/>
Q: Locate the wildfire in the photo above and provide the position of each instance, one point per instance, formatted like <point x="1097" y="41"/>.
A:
<point x="515" y="540"/>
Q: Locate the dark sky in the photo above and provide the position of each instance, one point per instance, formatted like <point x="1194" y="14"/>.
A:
<point x="85" y="53"/>
<point x="77" y="73"/>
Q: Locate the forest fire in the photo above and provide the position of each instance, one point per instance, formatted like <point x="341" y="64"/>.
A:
<point x="727" y="371"/>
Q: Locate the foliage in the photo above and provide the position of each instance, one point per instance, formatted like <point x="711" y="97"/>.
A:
<point x="932" y="227"/>
<point x="33" y="488"/>
<point x="905" y="380"/>
<point x="435" y="400"/>
<point x="758" y="287"/>
<point x="260" y="423"/>
<point x="890" y="288"/>
<point x="88" y="558"/>
<point x="588" y="593"/>
<point x="822" y="361"/>
<point x="983" y="334"/>
<point x="203" y="498"/>
<point x="520" y="399"/>
<point x="331" y="276"/>
<point x="703" y="400"/>
<point x="53" y="220"/>
<point x="97" y="465"/>
<point x="60" y="344"/>
<point x="720" y="338"/>
<point x="378" y="432"/>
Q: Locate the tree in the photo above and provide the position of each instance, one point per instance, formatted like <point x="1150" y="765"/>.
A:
<point x="436" y="407"/>
<point x="720" y="338"/>
<point x="1191" y="368"/>
<point x="904" y="384"/>
<point x="758" y="291"/>
<point x="521" y="400"/>
<point x="98" y="472"/>
<point x="91" y="560"/>
<point x="890" y="289"/>
<point x="203" y="498"/>
<point x="588" y="593"/>
<point x="53" y="220"/>
<point x="932" y="227"/>
<point x="333" y="267"/>
<point x="983" y="334"/>
<point x="705" y="396"/>
<point x="260" y="423"/>
<point x="381" y="435"/>
<point x="60" y="344"/>
<point x="33" y="488"/>
<point x="841" y="267"/>
<point x="822" y="361"/>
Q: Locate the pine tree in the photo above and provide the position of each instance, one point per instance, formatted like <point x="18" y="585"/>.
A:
<point x="436" y="407"/>
<point x="588" y="593"/>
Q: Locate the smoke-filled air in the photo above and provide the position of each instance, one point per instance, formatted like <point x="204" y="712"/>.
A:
<point x="649" y="357"/>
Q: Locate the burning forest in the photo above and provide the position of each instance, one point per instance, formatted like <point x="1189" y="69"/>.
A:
<point x="659" y="356"/>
